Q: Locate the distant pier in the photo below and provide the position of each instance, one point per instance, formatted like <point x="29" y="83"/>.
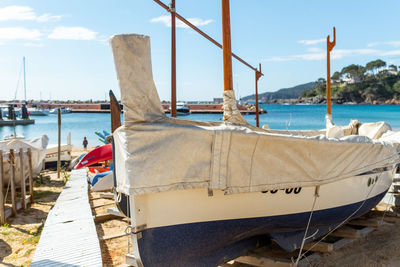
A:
<point x="16" y="122"/>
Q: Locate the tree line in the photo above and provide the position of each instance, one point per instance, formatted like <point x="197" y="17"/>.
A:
<point x="361" y="84"/>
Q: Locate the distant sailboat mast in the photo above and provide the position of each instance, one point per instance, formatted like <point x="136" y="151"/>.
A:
<point x="24" y="80"/>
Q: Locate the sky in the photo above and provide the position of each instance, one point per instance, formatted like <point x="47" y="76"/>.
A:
<point x="68" y="56"/>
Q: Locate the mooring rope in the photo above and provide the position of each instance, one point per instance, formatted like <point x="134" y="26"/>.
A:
<point x="316" y="195"/>
<point x="342" y="223"/>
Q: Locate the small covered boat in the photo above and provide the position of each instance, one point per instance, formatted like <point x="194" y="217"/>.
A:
<point x="38" y="151"/>
<point x="35" y="111"/>
<point x="65" y="155"/>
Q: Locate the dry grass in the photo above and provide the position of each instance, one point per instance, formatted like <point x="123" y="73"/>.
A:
<point x="20" y="235"/>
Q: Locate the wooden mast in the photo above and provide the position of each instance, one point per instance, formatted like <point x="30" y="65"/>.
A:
<point x="226" y="46"/>
<point x="329" y="47"/>
<point x="173" y="60"/>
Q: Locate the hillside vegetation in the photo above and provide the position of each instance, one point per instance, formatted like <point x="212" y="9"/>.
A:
<point x="284" y="93"/>
<point x="373" y="83"/>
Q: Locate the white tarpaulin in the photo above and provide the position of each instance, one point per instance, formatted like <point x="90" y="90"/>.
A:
<point x="38" y="150"/>
<point x="155" y="153"/>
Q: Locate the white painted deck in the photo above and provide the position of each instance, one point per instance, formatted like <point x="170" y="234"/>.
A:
<point x="69" y="236"/>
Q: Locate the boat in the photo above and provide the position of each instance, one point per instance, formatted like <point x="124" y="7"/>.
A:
<point x="65" y="155"/>
<point x="236" y="184"/>
<point x="13" y="136"/>
<point x="35" y="111"/>
<point x="99" y="154"/>
<point x="38" y="151"/>
<point x="63" y="110"/>
<point x="182" y="109"/>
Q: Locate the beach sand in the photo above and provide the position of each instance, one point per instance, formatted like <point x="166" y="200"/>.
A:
<point x="20" y="235"/>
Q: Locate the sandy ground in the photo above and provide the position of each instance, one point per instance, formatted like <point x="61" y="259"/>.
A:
<point x="113" y="250"/>
<point x="20" y="235"/>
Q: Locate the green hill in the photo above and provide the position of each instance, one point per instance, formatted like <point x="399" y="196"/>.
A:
<point x="284" y="93"/>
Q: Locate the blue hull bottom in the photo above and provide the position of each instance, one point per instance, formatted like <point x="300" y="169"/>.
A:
<point x="212" y="243"/>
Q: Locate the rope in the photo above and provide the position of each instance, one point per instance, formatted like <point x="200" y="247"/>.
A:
<point x="343" y="222"/>
<point x="387" y="208"/>
<point x="316" y="195"/>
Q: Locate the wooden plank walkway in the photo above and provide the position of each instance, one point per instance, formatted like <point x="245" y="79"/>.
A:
<point x="69" y="236"/>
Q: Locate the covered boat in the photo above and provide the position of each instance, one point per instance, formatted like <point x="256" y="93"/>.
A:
<point x="236" y="184"/>
<point x="38" y="150"/>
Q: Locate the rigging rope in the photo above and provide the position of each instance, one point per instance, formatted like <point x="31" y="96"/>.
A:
<point x="342" y="223"/>
<point x="316" y="195"/>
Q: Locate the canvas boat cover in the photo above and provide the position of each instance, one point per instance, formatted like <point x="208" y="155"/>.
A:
<point x="38" y="151"/>
<point x="155" y="153"/>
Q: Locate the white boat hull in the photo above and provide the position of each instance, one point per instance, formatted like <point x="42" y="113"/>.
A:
<point x="281" y="214"/>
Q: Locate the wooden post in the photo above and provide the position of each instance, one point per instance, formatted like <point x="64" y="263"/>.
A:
<point x="59" y="144"/>
<point x="226" y="45"/>
<point x="23" y="186"/>
<point x="12" y="177"/>
<point x="115" y="112"/>
<point x="30" y="173"/>
<point x="2" y="214"/>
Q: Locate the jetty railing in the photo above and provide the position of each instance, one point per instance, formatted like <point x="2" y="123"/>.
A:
<point x="10" y="158"/>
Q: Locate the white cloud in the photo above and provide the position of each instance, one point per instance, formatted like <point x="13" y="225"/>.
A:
<point x="19" y="33"/>
<point x="72" y="33"/>
<point x="48" y="17"/>
<point x="33" y="44"/>
<point x="315" y="50"/>
<point x="319" y="54"/>
<point x="24" y="13"/>
<point x="341" y="53"/>
<point x="312" y="42"/>
<point x="391" y="43"/>
<point x="166" y="20"/>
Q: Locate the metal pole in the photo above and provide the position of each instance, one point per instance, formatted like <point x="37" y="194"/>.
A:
<point x="258" y="75"/>
<point x="329" y="47"/>
<point x="173" y="60"/>
<point x="202" y="33"/>
<point x="59" y="143"/>
<point x="2" y="213"/>
<point x="24" y="79"/>
<point x="226" y="46"/>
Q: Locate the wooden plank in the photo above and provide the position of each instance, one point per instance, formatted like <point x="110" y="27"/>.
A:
<point x="107" y="195"/>
<point x="342" y="242"/>
<point x="105" y="217"/>
<point x="366" y="222"/>
<point x="22" y="176"/>
<point x="106" y="237"/>
<point x="30" y="173"/>
<point x="103" y="205"/>
<point x="319" y="247"/>
<point x="347" y="232"/>
<point x="2" y="214"/>
<point x="365" y="231"/>
<point x="115" y="212"/>
<point x="255" y="259"/>
<point x="12" y="177"/>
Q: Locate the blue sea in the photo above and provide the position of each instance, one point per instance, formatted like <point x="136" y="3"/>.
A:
<point x="293" y="117"/>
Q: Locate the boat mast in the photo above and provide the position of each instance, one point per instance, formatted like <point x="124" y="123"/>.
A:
<point x="329" y="47"/>
<point x="173" y="60"/>
<point x="226" y="46"/>
<point x="23" y="60"/>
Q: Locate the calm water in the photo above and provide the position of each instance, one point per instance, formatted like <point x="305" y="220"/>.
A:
<point x="295" y="117"/>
